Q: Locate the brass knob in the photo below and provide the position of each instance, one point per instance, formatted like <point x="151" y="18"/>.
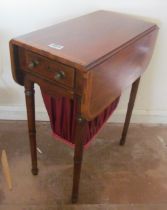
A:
<point x="33" y="64"/>
<point x="59" y="75"/>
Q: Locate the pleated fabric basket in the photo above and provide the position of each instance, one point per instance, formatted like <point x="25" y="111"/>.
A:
<point x="62" y="112"/>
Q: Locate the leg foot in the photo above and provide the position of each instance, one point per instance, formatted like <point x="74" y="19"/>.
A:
<point x="74" y="200"/>
<point x="34" y="171"/>
<point x="122" y="142"/>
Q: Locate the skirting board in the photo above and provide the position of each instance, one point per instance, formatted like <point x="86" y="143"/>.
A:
<point x="138" y="116"/>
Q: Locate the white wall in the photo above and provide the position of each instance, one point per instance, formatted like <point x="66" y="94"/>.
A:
<point x="18" y="17"/>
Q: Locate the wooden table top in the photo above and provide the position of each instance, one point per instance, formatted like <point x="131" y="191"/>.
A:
<point x="86" y="39"/>
<point x="96" y="56"/>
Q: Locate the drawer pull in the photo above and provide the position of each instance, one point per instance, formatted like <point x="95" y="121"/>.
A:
<point x="33" y="64"/>
<point x="59" y="75"/>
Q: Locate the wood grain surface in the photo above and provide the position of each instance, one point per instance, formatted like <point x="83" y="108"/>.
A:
<point x="102" y="54"/>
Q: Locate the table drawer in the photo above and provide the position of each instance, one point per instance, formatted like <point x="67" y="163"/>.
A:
<point x="49" y="69"/>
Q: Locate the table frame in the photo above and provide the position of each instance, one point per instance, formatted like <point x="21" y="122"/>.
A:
<point x="80" y="128"/>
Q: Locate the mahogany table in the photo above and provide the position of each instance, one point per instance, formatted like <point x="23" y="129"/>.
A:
<point x="90" y="59"/>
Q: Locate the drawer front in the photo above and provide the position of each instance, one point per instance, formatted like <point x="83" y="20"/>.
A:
<point x="49" y="69"/>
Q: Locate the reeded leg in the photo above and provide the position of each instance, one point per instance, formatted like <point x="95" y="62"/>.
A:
<point x="30" y="104"/>
<point x="78" y="153"/>
<point x="129" y="111"/>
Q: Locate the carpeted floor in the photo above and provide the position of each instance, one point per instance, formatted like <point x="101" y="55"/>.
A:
<point x="132" y="177"/>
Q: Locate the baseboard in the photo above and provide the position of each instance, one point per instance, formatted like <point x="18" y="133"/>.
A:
<point x="19" y="113"/>
<point x="139" y="116"/>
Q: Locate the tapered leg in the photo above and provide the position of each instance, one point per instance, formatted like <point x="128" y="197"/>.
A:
<point x="30" y="104"/>
<point x="78" y="153"/>
<point x="129" y="111"/>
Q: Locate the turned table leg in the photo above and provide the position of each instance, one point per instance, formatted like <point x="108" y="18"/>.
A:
<point x="129" y="111"/>
<point x="78" y="153"/>
<point x="30" y="104"/>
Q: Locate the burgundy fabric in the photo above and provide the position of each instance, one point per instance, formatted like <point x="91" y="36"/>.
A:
<point x="62" y="113"/>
